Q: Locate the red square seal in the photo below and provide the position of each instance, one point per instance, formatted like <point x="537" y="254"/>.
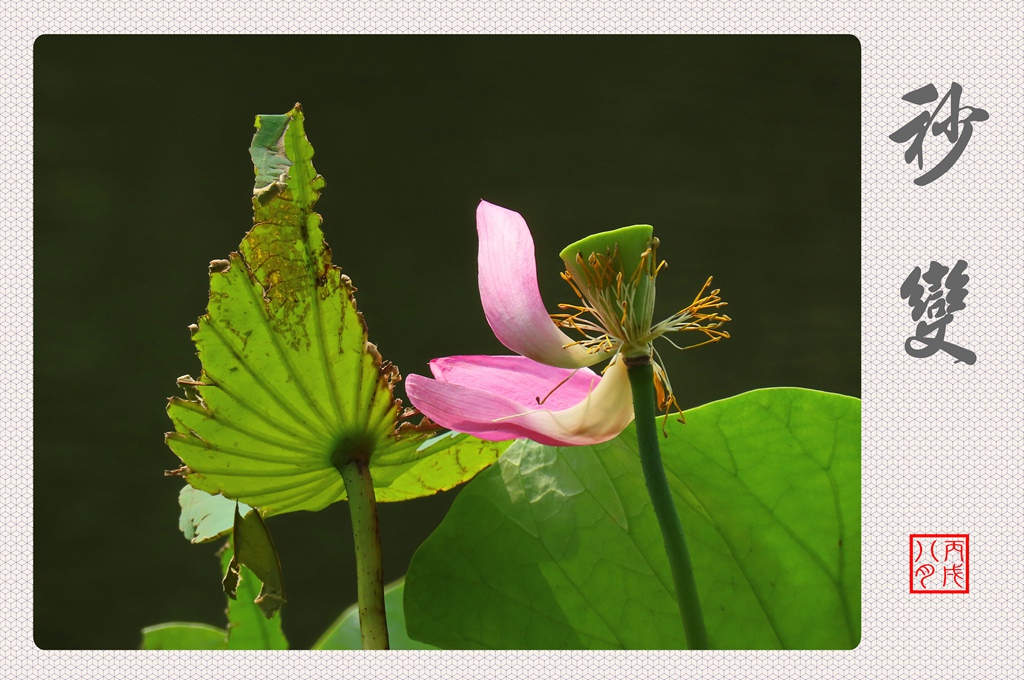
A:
<point x="939" y="563"/>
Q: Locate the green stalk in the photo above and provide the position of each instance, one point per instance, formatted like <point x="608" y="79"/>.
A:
<point x="373" y="624"/>
<point x="641" y="380"/>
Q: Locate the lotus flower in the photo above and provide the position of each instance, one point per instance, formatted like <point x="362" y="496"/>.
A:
<point x="547" y="393"/>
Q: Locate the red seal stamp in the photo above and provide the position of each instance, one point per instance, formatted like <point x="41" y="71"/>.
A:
<point x="939" y="563"/>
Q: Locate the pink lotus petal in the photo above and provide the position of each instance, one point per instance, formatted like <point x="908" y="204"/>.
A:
<point x="510" y="295"/>
<point x="597" y="417"/>
<point x="520" y="379"/>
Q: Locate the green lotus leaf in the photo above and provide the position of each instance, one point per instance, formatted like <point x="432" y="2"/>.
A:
<point x="205" y="517"/>
<point x="291" y="389"/>
<point x="560" y="547"/>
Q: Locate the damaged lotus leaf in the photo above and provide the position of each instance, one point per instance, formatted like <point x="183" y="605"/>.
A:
<point x="205" y="518"/>
<point x="249" y="627"/>
<point x="255" y="549"/>
<point x="291" y="390"/>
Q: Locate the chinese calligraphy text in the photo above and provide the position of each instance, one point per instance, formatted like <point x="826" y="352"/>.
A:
<point x="933" y="297"/>
<point x="957" y="130"/>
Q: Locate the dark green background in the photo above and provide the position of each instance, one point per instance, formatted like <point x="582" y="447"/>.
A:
<point x="743" y="152"/>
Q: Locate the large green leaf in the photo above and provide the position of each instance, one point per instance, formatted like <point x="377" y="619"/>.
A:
<point x="291" y="389"/>
<point x="560" y="548"/>
<point x="344" y="632"/>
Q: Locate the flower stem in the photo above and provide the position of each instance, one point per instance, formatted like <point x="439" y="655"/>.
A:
<point x="373" y="625"/>
<point x="641" y="380"/>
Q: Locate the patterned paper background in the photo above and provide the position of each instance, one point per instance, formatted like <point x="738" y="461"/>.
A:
<point x="941" y="440"/>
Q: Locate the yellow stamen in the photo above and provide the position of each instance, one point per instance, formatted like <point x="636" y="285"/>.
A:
<point x="611" y="319"/>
